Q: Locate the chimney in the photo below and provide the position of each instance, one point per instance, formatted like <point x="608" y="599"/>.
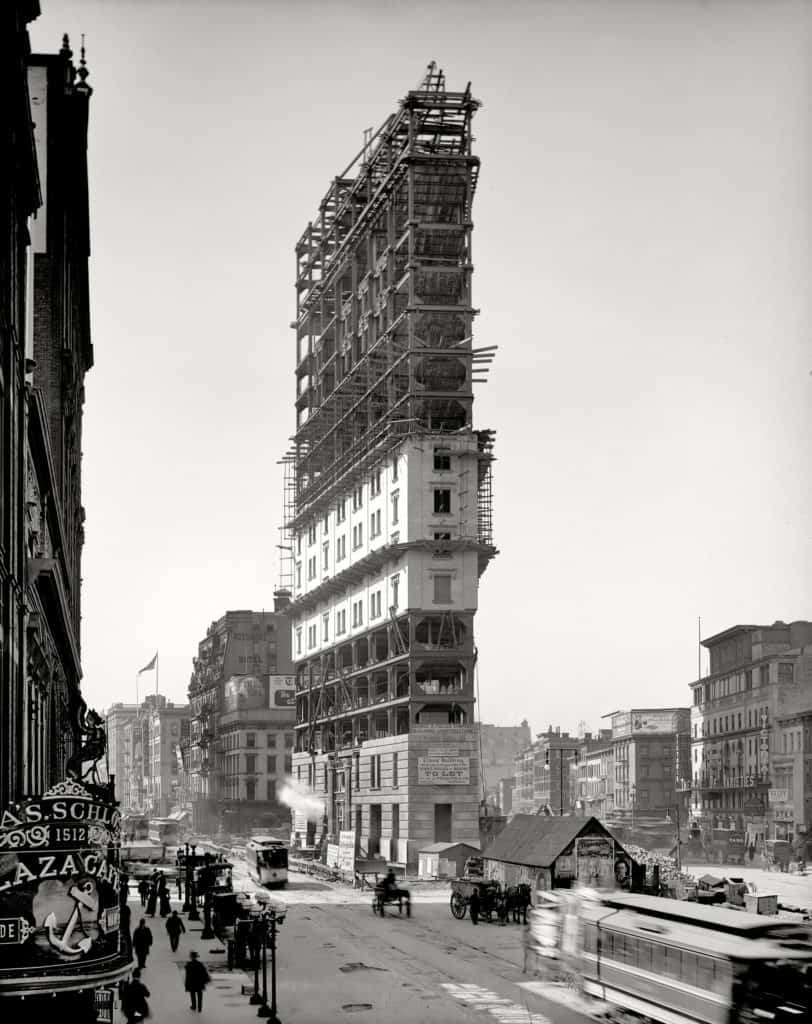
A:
<point x="281" y="599"/>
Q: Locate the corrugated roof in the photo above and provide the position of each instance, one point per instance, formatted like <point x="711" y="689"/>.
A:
<point x="536" y="840"/>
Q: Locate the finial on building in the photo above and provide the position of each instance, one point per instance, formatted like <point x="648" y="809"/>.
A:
<point x="66" y="51"/>
<point x="82" y="73"/>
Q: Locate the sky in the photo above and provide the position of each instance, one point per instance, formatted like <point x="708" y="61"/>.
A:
<point x="642" y="260"/>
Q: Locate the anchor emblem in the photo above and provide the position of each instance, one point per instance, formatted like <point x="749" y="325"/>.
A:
<point x="82" y="896"/>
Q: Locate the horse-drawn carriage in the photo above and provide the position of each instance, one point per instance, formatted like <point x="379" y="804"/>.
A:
<point x="495" y="901"/>
<point x="387" y="892"/>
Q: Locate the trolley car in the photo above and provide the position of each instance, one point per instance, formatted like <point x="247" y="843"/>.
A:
<point x="664" y="961"/>
<point x="267" y="861"/>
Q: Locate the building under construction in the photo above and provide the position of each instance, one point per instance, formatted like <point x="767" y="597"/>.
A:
<point x="388" y="488"/>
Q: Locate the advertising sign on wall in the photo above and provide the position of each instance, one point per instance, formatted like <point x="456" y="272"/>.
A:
<point x="59" y="891"/>
<point x="778" y="796"/>
<point x="443" y="770"/>
<point x="282" y="692"/>
<point x="595" y="861"/>
<point x="346" y="851"/>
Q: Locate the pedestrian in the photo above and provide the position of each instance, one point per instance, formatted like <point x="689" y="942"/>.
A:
<point x="143" y="891"/>
<point x="163" y="896"/>
<point x="134" y="997"/>
<point x="179" y="881"/>
<point x="751" y="853"/>
<point x="175" y="928"/>
<point x="474" y="905"/>
<point x="197" y="978"/>
<point x="152" y="899"/>
<point x="126" y="934"/>
<point x="142" y="940"/>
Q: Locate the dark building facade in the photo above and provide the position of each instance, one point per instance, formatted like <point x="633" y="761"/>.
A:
<point x="46" y="350"/>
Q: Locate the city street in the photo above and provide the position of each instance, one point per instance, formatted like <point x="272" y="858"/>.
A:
<point x="336" y="957"/>
<point x="792" y="889"/>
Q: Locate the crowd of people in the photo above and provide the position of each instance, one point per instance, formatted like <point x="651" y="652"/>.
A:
<point x="155" y="898"/>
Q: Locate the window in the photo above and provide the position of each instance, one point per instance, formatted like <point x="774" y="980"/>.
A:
<point x="311" y="636"/>
<point x="395" y="769"/>
<point x="394" y="467"/>
<point x="375" y="605"/>
<point x="395" y="500"/>
<point x="442" y="458"/>
<point x="325" y="626"/>
<point x="357" y="498"/>
<point x="250" y="739"/>
<point x="341" y="548"/>
<point x="311" y="534"/>
<point x="785" y="674"/>
<point x="395" y="591"/>
<point x="325" y="523"/>
<point x="396" y="819"/>
<point x="442" y="501"/>
<point x="375" y="771"/>
<point x="270" y="764"/>
<point x="440" y="536"/>
<point x="442" y="589"/>
<point x="341" y="511"/>
<point x="298" y="574"/>
<point x="375" y="523"/>
<point x="299" y="640"/>
<point x="250" y="790"/>
<point x="250" y="763"/>
<point x="311" y="567"/>
<point x="357" y="536"/>
<point x="375" y="484"/>
<point x="357" y="613"/>
<point x="341" y="622"/>
<point x="764" y="675"/>
<point x="325" y="555"/>
<point x="298" y="543"/>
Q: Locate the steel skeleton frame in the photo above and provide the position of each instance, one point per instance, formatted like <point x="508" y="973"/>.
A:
<point x="385" y="355"/>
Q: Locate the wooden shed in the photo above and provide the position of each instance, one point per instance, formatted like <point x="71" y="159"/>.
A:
<point x="556" y="852"/>
<point x="444" y="860"/>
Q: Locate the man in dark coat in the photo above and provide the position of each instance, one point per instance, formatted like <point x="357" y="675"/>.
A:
<point x="143" y="891"/>
<point x="134" y="999"/>
<point x="174" y="928"/>
<point x="197" y="978"/>
<point x="142" y="940"/>
<point x="474" y="905"/>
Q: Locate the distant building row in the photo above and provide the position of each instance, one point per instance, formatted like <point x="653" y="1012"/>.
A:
<point x="739" y="758"/>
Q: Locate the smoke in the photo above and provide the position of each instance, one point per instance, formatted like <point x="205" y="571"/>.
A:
<point x="300" y="800"/>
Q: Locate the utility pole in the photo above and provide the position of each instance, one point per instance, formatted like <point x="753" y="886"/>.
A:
<point x="679" y="857"/>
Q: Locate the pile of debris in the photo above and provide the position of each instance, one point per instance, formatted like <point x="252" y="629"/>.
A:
<point x="669" y="874"/>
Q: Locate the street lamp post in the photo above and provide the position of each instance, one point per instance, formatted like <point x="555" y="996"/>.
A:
<point x="194" y="914"/>
<point x="269" y="938"/>
<point x="186" y="903"/>
<point x="256" y="940"/>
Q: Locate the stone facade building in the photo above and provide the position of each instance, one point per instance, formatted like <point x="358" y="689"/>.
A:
<point x="651" y="752"/>
<point x="242" y="714"/>
<point x="748" y="732"/>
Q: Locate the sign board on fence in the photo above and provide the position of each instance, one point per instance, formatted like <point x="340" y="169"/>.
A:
<point x="346" y="851"/>
<point x="332" y="855"/>
<point x="443" y="770"/>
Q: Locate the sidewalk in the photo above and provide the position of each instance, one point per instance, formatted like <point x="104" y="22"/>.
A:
<point x="164" y="977"/>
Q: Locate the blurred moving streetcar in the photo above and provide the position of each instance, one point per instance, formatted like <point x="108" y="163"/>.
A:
<point x="673" y="962"/>
<point x="267" y="860"/>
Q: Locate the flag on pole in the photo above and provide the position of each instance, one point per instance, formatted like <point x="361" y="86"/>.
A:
<point x="150" y="665"/>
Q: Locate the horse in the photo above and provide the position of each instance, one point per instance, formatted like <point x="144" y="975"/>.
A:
<point x="391" y="894"/>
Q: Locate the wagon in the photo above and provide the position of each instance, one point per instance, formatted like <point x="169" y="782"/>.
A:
<point x="461" y="889"/>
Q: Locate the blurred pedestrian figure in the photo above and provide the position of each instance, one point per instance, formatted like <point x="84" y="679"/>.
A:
<point x="179" y="880"/>
<point x="134" y="999"/>
<point x="163" y="896"/>
<point x="175" y="928"/>
<point x="142" y="940"/>
<point x="126" y="934"/>
<point x="143" y="891"/>
<point x="474" y="906"/>
<point x="751" y="853"/>
<point x="152" y="899"/>
<point x="197" y="978"/>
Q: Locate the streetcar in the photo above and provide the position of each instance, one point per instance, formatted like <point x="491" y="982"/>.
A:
<point x="165" y="831"/>
<point x="267" y="860"/>
<point x="668" y="962"/>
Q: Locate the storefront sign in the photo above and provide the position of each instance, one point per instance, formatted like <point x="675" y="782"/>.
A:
<point x="282" y="692"/>
<point x="59" y="891"/>
<point x="778" y="796"/>
<point x="443" y="770"/>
